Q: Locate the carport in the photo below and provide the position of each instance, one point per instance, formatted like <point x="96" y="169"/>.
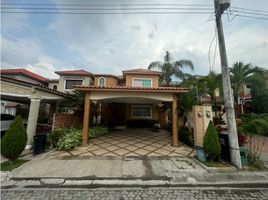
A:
<point x="19" y="91"/>
<point x="124" y="94"/>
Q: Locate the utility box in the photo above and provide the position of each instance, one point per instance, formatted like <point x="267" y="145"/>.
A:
<point x="202" y="117"/>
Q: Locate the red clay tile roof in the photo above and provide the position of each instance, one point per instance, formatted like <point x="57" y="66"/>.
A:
<point x="141" y="71"/>
<point x="129" y="88"/>
<point x="23" y="72"/>
<point x="74" y="72"/>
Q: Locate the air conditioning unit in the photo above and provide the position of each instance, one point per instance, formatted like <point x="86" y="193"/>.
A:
<point x="224" y="4"/>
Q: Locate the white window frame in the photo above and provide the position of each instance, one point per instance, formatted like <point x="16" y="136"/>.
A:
<point x="133" y="81"/>
<point x="72" y="79"/>
<point x="142" y="105"/>
<point x="100" y="79"/>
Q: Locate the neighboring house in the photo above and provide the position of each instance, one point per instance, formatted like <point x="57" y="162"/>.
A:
<point x="22" y="75"/>
<point x="25" y="75"/>
<point x="27" y="94"/>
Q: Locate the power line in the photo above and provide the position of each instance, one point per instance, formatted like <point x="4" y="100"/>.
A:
<point x="105" y="5"/>
<point x="251" y="13"/>
<point x="96" y="13"/>
<point x="239" y="8"/>
<point x="94" y="8"/>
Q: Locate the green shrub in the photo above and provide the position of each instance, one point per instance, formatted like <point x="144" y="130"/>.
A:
<point x="14" y="140"/>
<point x="97" y="131"/>
<point x="211" y="142"/>
<point x="70" y="140"/>
<point x="56" y="135"/>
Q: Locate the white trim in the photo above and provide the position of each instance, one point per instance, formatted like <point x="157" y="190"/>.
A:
<point x="141" y="79"/>
<point x="142" y="105"/>
<point x="15" y="95"/>
<point x="72" y="79"/>
<point x="103" y="79"/>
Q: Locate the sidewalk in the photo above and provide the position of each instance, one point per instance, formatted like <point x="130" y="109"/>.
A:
<point x="120" y="171"/>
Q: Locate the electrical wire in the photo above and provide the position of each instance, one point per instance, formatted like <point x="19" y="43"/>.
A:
<point x="96" y="9"/>
<point x="209" y="50"/>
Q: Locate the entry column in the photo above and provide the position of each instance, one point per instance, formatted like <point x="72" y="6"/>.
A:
<point x="175" y="138"/>
<point x="86" y="118"/>
<point x="32" y="120"/>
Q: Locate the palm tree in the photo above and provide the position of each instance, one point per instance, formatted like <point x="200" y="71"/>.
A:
<point x="213" y="82"/>
<point x="170" y="68"/>
<point x="241" y="74"/>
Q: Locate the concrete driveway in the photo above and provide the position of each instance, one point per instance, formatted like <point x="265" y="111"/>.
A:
<point x="128" y="143"/>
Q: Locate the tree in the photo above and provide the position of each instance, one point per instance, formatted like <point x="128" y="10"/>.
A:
<point x="259" y="94"/>
<point x="213" y="82"/>
<point x="14" y="140"/>
<point x="211" y="142"/>
<point x="241" y="74"/>
<point x="170" y="68"/>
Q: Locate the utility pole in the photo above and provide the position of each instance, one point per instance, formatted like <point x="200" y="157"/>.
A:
<point x="220" y="6"/>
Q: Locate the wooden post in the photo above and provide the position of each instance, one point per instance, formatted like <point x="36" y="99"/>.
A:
<point x="86" y="118"/>
<point x="175" y="138"/>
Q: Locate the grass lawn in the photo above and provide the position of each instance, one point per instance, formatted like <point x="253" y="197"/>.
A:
<point x="8" y="166"/>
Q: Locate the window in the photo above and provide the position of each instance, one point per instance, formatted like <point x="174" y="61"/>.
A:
<point x="70" y="83"/>
<point x="55" y="87"/>
<point x="142" y="111"/>
<point x="142" y="83"/>
<point x="102" y="81"/>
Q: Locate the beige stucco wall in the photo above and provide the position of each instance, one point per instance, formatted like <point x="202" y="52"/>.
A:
<point x="202" y="117"/>
<point x="129" y="111"/>
<point x="86" y="81"/>
<point x="109" y="80"/>
<point x="50" y="85"/>
<point x="155" y="79"/>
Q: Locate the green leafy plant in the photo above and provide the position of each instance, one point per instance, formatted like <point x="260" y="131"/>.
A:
<point x="14" y="140"/>
<point x="70" y="140"/>
<point x="211" y="142"/>
<point x="97" y="131"/>
<point x="251" y="126"/>
<point x="56" y="135"/>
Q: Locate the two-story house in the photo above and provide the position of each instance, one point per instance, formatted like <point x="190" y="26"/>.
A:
<point x="135" y="95"/>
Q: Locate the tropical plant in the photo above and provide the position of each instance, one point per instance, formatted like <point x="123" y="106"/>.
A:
<point x="254" y="125"/>
<point x="70" y="140"/>
<point x="213" y="82"/>
<point x="259" y="94"/>
<point x="169" y="68"/>
<point x="241" y="74"/>
<point x="97" y="131"/>
<point x="14" y="140"/>
<point x="211" y="142"/>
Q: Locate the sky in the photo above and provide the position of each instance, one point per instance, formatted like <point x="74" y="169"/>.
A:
<point x="44" y="43"/>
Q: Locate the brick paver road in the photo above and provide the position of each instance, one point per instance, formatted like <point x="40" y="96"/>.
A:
<point x="128" y="194"/>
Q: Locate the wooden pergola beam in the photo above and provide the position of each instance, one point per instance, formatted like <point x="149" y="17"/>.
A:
<point x="175" y="133"/>
<point x="86" y="118"/>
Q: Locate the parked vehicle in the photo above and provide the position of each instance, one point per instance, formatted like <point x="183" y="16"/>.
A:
<point x="6" y="120"/>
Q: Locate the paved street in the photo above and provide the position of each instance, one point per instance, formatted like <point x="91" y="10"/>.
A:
<point x="132" y="193"/>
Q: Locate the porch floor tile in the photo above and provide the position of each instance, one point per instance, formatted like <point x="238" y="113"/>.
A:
<point x="130" y="142"/>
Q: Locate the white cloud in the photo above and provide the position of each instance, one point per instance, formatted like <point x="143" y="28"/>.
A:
<point x="111" y="43"/>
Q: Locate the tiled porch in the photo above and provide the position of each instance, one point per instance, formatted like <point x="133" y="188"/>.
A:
<point x="130" y="142"/>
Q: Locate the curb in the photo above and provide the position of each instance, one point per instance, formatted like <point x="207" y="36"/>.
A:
<point x="112" y="183"/>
